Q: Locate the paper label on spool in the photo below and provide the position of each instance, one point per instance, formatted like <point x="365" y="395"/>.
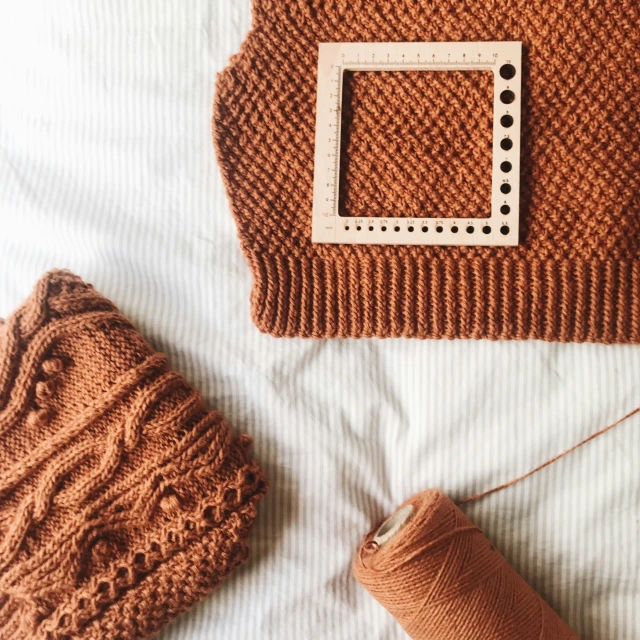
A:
<point x="393" y="525"/>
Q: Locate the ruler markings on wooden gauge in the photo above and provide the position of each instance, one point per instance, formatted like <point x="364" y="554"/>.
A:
<point x="499" y="228"/>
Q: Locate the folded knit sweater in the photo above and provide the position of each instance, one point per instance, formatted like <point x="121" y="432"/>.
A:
<point x="123" y="500"/>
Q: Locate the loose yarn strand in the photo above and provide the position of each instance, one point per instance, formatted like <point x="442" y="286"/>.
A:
<point x="510" y="483"/>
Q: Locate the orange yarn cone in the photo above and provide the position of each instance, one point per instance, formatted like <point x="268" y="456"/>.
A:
<point x="442" y="579"/>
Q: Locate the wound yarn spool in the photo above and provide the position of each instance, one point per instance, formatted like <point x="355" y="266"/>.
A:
<point x="440" y="577"/>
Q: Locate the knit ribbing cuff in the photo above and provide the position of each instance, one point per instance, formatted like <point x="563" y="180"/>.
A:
<point x="405" y="295"/>
<point x="123" y="500"/>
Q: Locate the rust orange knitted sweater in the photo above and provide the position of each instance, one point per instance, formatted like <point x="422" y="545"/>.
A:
<point x="122" y="499"/>
<point x="575" y="275"/>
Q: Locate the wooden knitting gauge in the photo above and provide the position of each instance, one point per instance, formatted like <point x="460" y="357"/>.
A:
<point x="504" y="59"/>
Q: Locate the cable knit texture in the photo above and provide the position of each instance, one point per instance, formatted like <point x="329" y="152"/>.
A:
<point x="407" y="139"/>
<point x="122" y="499"/>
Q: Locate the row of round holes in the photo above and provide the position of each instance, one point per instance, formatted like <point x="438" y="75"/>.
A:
<point x="507" y="71"/>
<point x="504" y="230"/>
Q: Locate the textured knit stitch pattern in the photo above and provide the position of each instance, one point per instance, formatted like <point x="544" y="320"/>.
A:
<point x="123" y="500"/>
<point x="418" y="144"/>
<point x="575" y="275"/>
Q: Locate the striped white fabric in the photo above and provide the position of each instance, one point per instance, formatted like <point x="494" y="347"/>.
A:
<point x="107" y="168"/>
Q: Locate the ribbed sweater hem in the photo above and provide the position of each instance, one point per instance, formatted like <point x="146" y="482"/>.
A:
<point x="416" y="297"/>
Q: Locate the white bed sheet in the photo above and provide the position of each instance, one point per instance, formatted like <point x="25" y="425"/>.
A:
<point x="107" y="168"/>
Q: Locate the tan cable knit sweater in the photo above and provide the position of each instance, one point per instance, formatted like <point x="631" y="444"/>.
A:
<point x="407" y="138"/>
<point x="122" y="499"/>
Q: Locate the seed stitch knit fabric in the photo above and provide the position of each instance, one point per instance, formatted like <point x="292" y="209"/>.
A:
<point x="123" y="500"/>
<point x="407" y="139"/>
